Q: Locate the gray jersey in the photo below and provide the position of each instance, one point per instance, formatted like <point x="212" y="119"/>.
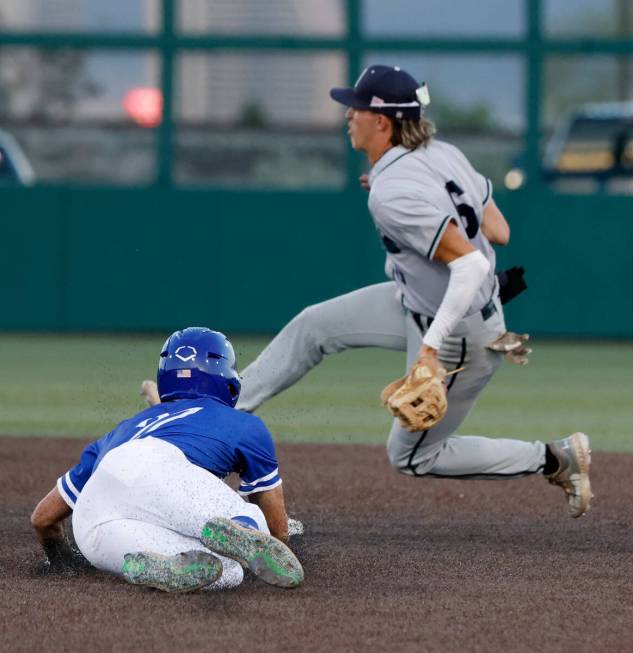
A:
<point x="414" y="196"/>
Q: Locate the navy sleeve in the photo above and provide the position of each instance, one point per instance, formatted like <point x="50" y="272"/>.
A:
<point x="260" y="467"/>
<point x="72" y="482"/>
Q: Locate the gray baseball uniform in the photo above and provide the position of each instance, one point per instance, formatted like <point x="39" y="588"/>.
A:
<point x="414" y="195"/>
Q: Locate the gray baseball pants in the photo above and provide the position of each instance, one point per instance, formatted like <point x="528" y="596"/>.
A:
<point x="374" y="317"/>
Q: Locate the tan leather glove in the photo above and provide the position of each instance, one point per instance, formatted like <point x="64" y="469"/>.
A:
<point x="418" y="399"/>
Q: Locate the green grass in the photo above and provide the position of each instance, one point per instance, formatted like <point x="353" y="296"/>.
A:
<point x="82" y="385"/>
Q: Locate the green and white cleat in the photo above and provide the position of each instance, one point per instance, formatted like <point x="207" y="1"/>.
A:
<point x="574" y="458"/>
<point x="183" y="572"/>
<point x="267" y="557"/>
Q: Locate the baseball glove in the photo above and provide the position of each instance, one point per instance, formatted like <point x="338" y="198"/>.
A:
<point x="418" y="399"/>
<point x="513" y="346"/>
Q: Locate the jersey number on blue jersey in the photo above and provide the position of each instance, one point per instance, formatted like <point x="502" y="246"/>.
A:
<point x="150" y="425"/>
<point x="466" y="211"/>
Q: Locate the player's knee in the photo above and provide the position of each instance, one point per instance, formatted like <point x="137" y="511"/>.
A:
<point x="398" y="461"/>
<point x="309" y="316"/>
<point x="313" y="323"/>
<point x="402" y="461"/>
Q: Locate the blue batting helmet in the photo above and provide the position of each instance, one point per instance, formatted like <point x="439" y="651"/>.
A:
<point x="198" y="362"/>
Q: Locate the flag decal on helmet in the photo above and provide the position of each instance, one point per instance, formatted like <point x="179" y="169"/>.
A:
<point x="183" y="374"/>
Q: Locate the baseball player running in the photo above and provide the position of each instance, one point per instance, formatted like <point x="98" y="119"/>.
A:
<point x="147" y="499"/>
<point x="437" y="221"/>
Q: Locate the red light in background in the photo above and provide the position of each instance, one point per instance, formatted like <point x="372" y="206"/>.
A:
<point x="144" y="105"/>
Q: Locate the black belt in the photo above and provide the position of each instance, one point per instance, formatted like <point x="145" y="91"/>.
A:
<point x="486" y="313"/>
<point x="489" y="310"/>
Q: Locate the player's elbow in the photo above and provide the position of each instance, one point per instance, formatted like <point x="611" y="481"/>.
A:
<point x="502" y="237"/>
<point x="494" y="226"/>
<point x="474" y="266"/>
<point x="43" y="518"/>
<point x="39" y="519"/>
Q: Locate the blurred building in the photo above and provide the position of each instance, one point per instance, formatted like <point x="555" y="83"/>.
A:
<point x="44" y="14"/>
<point x="213" y="87"/>
<point x="280" y="87"/>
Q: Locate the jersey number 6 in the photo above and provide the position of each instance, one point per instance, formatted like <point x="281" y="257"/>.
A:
<point x="466" y="211"/>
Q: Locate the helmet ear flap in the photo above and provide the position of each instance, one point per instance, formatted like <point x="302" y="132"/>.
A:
<point x="235" y="392"/>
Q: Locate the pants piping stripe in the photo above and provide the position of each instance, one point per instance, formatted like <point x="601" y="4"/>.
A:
<point x="462" y="358"/>
<point x="481" y="476"/>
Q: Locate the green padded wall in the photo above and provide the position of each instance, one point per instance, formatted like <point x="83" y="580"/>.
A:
<point x="156" y="259"/>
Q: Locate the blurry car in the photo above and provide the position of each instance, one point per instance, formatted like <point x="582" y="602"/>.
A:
<point x="15" y="169"/>
<point x="591" y="150"/>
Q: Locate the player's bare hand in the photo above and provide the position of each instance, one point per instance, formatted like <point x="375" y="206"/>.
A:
<point x="364" y="181"/>
<point x="63" y="558"/>
<point x="427" y="352"/>
<point x="149" y="392"/>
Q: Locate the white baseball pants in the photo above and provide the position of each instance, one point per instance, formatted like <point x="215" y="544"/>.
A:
<point x="374" y="317"/>
<point x="146" y="496"/>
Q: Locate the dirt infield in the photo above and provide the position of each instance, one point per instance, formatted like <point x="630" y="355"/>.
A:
<point x="392" y="563"/>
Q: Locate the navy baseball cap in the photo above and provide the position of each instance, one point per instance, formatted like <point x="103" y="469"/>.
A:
<point x="385" y="89"/>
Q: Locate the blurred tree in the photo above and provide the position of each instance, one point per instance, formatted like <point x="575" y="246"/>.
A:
<point x="252" y="114"/>
<point x="43" y="85"/>
<point x="7" y="79"/>
<point x="62" y="83"/>
<point x="573" y="81"/>
<point x="474" y="117"/>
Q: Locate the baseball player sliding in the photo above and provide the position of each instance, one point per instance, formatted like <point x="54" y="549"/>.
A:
<point x="437" y="220"/>
<point x="147" y="499"/>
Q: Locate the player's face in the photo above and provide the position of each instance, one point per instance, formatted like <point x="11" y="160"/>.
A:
<point x="361" y="127"/>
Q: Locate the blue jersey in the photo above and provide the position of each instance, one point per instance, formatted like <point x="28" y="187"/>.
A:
<point x="210" y="434"/>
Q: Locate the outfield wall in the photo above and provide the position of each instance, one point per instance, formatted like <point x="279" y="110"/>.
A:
<point x="152" y="259"/>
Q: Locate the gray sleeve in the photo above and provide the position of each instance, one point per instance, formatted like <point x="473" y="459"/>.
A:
<point x="482" y="185"/>
<point x="488" y="192"/>
<point x="412" y="222"/>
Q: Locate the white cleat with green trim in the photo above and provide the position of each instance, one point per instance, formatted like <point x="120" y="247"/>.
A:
<point x="183" y="572"/>
<point x="266" y="556"/>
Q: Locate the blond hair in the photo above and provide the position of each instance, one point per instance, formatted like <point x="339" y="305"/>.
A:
<point x="412" y="133"/>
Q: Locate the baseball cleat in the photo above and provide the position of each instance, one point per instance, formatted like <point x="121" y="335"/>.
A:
<point x="574" y="457"/>
<point x="267" y="557"/>
<point x="183" y="572"/>
<point x="149" y="392"/>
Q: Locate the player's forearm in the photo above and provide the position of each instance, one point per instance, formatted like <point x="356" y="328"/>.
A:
<point x="467" y="274"/>
<point x="272" y="504"/>
<point x="47" y="517"/>
<point x="279" y="530"/>
<point x="48" y="536"/>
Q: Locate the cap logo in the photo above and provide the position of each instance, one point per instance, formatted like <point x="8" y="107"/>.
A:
<point x="423" y="95"/>
<point x="188" y="353"/>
